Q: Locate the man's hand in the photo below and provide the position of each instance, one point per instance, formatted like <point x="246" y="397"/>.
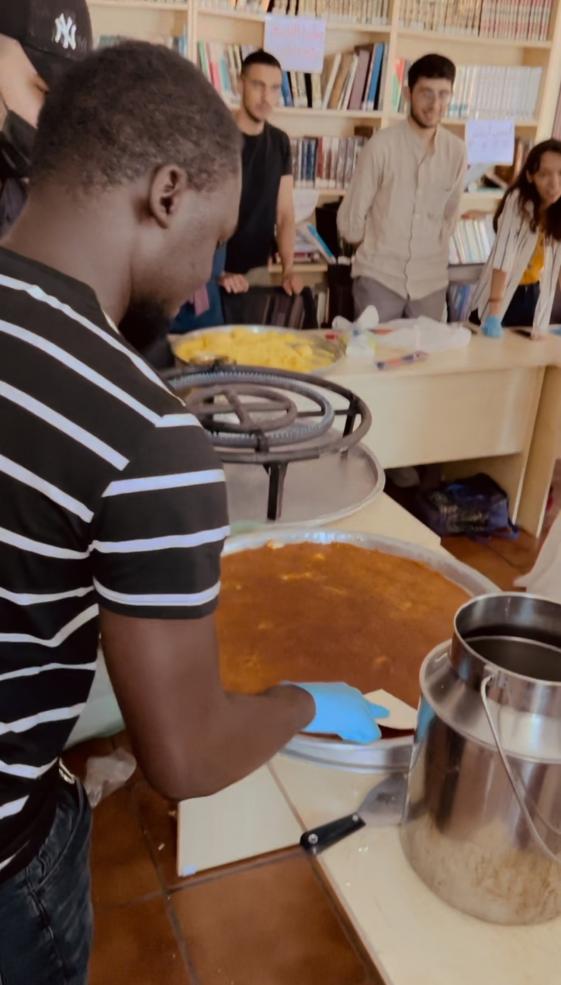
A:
<point x="234" y="283"/>
<point x="291" y="282"/>
<point x="344" y="711"/>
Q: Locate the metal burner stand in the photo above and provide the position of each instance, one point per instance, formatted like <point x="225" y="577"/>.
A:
<point x="271" y="418"/>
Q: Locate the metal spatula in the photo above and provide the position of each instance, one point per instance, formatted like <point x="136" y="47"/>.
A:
<point x="381" y="807"/>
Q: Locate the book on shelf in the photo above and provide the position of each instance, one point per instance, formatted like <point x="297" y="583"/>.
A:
<point x="485" y="91"/>
<point x="459" y="297"/>
<point x="509" y="20"/>
<point x="309" y="246"/>
<point x="179" y="43"/>
<point x="502" y="175"/>
<point x="351" y="80"/>
<point x="326" y="163"/>
<point x="372" y="12"/>
<point x="556" y="132"/>
<point x="472" y="241"/>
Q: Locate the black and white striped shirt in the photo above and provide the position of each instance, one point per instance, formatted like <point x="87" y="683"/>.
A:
<point x="110" y="495"/>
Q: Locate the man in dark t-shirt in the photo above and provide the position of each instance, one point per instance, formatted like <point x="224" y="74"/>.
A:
<point x="266" y="218"/>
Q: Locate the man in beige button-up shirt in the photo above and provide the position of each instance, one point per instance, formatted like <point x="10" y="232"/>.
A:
<point x="404" y="201"/>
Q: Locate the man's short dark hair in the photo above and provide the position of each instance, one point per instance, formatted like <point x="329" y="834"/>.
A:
<point x="431" y="67"/>
<point x="260" y="57"/>
<point x="126" y="110"/>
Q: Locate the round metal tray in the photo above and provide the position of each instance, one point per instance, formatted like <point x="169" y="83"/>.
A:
<point x="387" y="754"/>
<point x="336" y="349"/>
<point x="315" y="493"/>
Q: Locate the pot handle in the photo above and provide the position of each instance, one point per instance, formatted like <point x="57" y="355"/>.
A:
<point x="517" y="788"/>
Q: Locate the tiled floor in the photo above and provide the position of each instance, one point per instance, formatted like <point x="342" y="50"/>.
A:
<point x="269" y="921"/>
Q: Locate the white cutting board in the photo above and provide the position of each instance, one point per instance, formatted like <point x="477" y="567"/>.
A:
<point x="252" y="817"/>
<point x="249" y="818"/>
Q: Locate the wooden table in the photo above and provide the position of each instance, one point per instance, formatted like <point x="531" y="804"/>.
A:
<point x="412" y="937"/>
<point x="494" y="406"/>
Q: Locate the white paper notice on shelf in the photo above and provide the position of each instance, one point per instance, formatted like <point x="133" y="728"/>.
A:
<point x="297" y="42"/>
<point x="490" y="141"/>
<point x="306" y="201"/>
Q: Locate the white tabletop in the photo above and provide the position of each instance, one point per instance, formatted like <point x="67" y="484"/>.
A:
<point x="412" y="937"/>
<point x="512" y="351"/>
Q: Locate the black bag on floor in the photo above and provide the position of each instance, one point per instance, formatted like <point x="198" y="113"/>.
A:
<point x="476" y="506"/>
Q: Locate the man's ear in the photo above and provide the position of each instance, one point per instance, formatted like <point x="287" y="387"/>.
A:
<point x="407" y="92"/>
<point x="167" y="188"/>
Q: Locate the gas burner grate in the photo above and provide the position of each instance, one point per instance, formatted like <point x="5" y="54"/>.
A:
<point x="271" y="417"/>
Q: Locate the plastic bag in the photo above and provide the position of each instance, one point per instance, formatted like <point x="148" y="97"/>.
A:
<point x="423" y="334"/>
<point x="102" y="715"/>
<point x="475" y="506"/>
<point x="105" y="774"/>
<point x="360" y="341"/>
<point x="545" y="577"/>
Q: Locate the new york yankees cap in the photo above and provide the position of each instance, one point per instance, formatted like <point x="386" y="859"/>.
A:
<point x="51" y="32"/>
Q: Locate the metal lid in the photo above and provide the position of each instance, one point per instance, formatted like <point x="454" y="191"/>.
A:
<point x="516" y="639"/>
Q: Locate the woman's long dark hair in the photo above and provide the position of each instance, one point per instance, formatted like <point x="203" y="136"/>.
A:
<point x="550" y="220"/>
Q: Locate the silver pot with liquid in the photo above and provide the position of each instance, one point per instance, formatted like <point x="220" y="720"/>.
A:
<point x="482" y="819"/>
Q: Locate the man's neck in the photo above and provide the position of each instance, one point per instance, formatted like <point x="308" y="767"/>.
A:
<point x="247" y="125"/>
<point x="427" y="134"/>
<point x="52" y="236"/>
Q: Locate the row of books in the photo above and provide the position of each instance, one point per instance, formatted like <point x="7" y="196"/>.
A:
<point x="350" y="80"/>
<point x="354" y="80"/>
<point x="325" y="162"/>
<point x="375" y="12"/>
<point x="179" y="43"/>
<point x="520" y="20"/>
<point x="492" y="91"/>
<point x="472" y="240"/>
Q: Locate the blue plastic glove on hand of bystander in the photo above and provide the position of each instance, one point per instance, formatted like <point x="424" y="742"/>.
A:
<point x="492" y="327"/>
<point x="342" y="710"/>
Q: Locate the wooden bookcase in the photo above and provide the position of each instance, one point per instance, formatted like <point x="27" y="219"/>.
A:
<point x="153" y="20"/>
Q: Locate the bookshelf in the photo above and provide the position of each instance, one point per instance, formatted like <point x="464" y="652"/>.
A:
<point x="198" y="20"/>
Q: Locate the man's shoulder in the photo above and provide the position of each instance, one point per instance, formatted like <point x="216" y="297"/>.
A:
<point x="276" y="136"/>
<point x="386" y="138"/>
<point x="454" y="145"/>
<point x="67" y="332"/>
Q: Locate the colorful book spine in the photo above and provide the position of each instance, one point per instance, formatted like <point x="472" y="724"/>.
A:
<point x="520" y="20"/>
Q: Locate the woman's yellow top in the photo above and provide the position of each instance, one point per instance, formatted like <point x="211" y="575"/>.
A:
<point x="533" y="272"/>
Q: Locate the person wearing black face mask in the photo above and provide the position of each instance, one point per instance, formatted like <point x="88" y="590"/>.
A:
<point x="38" y="41"/>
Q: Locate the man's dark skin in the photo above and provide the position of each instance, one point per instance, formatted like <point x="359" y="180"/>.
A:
<point x="129" y="243"/>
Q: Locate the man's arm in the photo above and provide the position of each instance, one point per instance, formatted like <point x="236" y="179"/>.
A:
<point x="286" y="234"/>
<point x="452" y="208"/>
<point x="358" y="200"/>
<point x="192" y="738"/>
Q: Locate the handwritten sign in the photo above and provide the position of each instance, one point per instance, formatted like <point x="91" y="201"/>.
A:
<point x="297" y="42"/>
<point x="490" y="141"/>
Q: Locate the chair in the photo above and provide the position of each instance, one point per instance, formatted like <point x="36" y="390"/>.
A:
<point x="270" y="306"/>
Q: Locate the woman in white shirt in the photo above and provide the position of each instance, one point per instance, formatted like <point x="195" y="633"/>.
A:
<point x="518" y="283"/>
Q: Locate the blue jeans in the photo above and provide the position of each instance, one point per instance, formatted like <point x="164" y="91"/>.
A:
<point x="45" y="910"/>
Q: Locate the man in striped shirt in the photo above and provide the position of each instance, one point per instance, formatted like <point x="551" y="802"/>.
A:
<point x="112" y="503"/>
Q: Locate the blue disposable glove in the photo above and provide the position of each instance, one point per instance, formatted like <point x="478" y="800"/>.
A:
<point x="492" y="327"/>
<point x="342" y="710"/>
